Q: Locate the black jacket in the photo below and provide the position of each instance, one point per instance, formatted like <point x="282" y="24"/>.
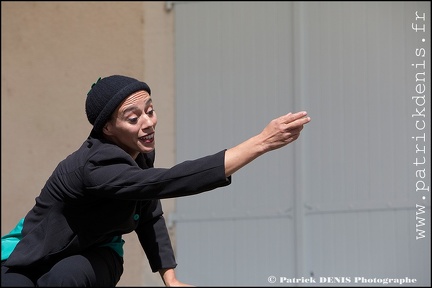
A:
<point x="99" y="192"/>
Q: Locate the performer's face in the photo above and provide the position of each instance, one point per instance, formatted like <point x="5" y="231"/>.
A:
<point x="132" y="125"/>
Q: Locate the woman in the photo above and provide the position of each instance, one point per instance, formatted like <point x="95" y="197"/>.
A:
<point x="109" y="187"/>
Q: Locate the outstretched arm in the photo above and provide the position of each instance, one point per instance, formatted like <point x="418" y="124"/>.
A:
<point x="278" y="133"/>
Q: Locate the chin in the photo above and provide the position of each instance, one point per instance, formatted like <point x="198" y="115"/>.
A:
<point x="148" y="150"/>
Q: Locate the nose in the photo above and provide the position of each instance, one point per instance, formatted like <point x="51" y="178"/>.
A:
<point x="148" y="121"/>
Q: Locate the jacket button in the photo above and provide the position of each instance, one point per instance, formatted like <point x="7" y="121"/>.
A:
<point x="136" y="217"/>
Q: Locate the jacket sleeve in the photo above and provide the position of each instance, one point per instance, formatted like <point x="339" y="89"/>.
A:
<point x="118" y="176"/>
<point x="153" y="236"/>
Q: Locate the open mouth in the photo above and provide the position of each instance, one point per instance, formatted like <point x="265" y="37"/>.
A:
<point x="148" y="138"/>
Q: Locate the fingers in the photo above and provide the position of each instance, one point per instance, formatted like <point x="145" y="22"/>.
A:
<point x="292" y="134"/>
<point x="290" y="117"/>
<point x="295" y="121"/>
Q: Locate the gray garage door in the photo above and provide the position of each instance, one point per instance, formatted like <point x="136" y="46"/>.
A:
<point x="340" y="204"/>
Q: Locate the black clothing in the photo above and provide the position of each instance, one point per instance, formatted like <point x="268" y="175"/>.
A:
<point x="98" y="193"/>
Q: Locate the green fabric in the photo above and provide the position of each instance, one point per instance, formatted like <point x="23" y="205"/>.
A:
<point x="9" y="242"/>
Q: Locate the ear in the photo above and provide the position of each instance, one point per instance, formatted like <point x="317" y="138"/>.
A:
<point x="107" y="129"/>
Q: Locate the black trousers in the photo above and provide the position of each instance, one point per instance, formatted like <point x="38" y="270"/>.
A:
<point x="100" y="267"/>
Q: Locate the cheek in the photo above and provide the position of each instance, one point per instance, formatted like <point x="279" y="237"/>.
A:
<point x="128" y="130"/>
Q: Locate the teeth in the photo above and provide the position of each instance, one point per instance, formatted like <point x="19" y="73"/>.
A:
<point x="148" y="137"/>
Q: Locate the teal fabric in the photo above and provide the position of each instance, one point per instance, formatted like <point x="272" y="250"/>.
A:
<point x="9" y="241"/>
<point x="116" y="244"/>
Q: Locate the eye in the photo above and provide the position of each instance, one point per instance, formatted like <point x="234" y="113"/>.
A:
<point x="150" y="112"/>
<point x="133" y="120"/>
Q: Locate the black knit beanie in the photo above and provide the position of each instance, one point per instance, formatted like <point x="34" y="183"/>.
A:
<point x="106" y="94"/>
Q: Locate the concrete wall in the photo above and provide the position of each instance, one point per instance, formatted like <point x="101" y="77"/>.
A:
<point x="51" y="54"/>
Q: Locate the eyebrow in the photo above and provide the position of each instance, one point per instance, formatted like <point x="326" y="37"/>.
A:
<point x="148" y="102"/>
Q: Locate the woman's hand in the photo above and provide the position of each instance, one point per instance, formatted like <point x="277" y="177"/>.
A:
<point x="170" y="280"/>
<point x="283" y="130"/>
